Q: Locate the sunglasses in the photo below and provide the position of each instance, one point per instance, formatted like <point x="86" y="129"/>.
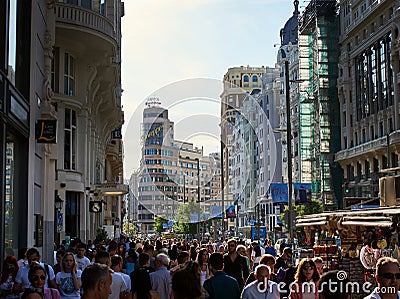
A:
<point x="41" y="277"/>
<point x="390" y="275"/>
<point x="231" y="245"/>
<point x="308" y="268"/>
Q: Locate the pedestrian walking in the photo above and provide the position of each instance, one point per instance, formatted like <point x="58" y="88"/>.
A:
<point x="69" y="278"/>
<point x="202" y="260"/>
<point x="161" y="277"/>
<point x="80" y="257"/>
<point x="96" y="281"/>
<point x="118" y="285"/>
<point x="22" y="279"/>
<point x="388" y="277"/>
<point x="37" y="277"/>
<point x="262" y="287"/>
<point x="306" y="283"/>
<point x="7" y="278"/>
<point x="186" y="283"/>
<point x="330" y="286"/>
<point x="235" y="265"/>
<point x="220" y="285"/>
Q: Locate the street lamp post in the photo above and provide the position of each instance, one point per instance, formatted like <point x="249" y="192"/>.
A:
<point x="198" y="197"/>
<point x="288" y="143"/>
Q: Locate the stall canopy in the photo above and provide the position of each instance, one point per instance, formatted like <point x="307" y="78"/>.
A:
<point x="380" y="217"/>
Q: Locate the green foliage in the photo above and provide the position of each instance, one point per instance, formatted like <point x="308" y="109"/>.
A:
<point x="314" y="207"/>
<point x="182" y="223"/>
<point x="129" y="229"/>
<point x="101" y="234"/>
<point x="158" y="224"/>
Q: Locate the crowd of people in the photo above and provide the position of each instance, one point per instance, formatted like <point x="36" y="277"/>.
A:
<point x="178" y="269"/>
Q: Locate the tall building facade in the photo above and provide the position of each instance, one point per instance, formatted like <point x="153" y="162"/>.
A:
<point x="239" y="82"/>
<point x="172" y="172"/>
<point x="61" y="102"/>
<point x="368" y="88"/>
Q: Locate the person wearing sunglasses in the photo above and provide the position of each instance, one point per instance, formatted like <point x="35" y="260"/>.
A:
<point x="306" y="281"/>
<point x="37" y="277"/>
<point x="387" y="276"/>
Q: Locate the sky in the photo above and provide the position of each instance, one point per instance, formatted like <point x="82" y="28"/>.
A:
<point x="179" y="51"/>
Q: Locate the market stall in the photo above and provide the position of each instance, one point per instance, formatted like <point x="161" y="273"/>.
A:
<point x="352" y="241"/>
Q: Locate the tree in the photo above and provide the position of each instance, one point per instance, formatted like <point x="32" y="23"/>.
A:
<point x="313" y="207"/>
<point x="101" y="234"/>
<point x="158" y="224"/>
<point x="182" y="223"/>
<point x="129" y="229"/>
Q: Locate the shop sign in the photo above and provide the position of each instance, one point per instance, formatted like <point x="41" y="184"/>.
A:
<point x="46" y="131"/>
<point x="117" y="133"/>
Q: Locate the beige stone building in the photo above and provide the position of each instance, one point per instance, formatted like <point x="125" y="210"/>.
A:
<point x="368" y="87"/>
<point x="61" y="76"/>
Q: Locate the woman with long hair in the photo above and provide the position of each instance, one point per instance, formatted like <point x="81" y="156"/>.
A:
<point x="37" y="277"/>
<point x="202" y="260"/>
<point x="7" y="279"/>
<point x="306" y="281"/>
<point x="186" y="283"/>
<point x="69" y="279"/>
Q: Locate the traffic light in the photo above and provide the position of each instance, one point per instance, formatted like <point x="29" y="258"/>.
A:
<point x="346" y="189"/>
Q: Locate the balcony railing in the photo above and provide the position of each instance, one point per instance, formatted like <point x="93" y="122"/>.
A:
<point x="75" y="15"/>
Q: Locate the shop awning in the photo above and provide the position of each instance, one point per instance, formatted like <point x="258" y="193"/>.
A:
<point x="372" y="223"/>
<point x="364" y="220"/>
<point x="302" y="224"/>
<point x="310" y="221"/>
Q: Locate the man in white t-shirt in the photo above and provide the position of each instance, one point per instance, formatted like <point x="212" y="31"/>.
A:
<point x="80" y="257"/>
<point x="22" y="280"/>
<point x="118" y="286"/>
<point x="116" y="266"/>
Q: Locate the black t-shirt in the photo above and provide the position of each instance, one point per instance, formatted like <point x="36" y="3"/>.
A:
<point x="237" y="269"/>
<point x="280" y="263"/>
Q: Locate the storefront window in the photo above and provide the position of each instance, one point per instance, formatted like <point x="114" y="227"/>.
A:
<point x="72" y="214"/>
<point x="15" y="194"/>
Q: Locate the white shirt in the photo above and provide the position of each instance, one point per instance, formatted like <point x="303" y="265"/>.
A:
<point x="257" y="259"/>
<point x="118" y="286"/>
<point x="66" y="286"/>
<point x="82" y="262"/>
<point x="251" y="291"/>
<point x="22" y="276"/>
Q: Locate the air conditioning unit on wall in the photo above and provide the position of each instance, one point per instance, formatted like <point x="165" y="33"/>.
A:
<point x="389" y="191"/>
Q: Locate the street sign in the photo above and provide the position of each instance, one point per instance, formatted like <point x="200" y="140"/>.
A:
<point x="59" y="222"/>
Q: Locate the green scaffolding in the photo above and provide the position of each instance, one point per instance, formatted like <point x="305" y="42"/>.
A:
<point x="319" y="106"/>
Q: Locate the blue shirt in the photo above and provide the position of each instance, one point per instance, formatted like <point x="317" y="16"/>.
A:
<point x="222" y="286"/>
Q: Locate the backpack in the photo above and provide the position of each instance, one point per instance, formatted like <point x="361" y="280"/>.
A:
<point x="280" y="275"/>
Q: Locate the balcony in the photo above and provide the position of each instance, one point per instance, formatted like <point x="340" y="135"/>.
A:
<point x="371" y="146"/>
<point x="78" y="16"/>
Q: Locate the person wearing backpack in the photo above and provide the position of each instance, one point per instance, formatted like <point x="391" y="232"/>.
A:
<point x="22" y="280"/>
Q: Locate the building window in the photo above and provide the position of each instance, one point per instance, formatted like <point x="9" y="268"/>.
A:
<point x="69" y="77"/>
<point x="70" y="139"/>
<point x="254" y="79"/>
<point x="245" y="78"/>
<point x="72" y="209"/>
